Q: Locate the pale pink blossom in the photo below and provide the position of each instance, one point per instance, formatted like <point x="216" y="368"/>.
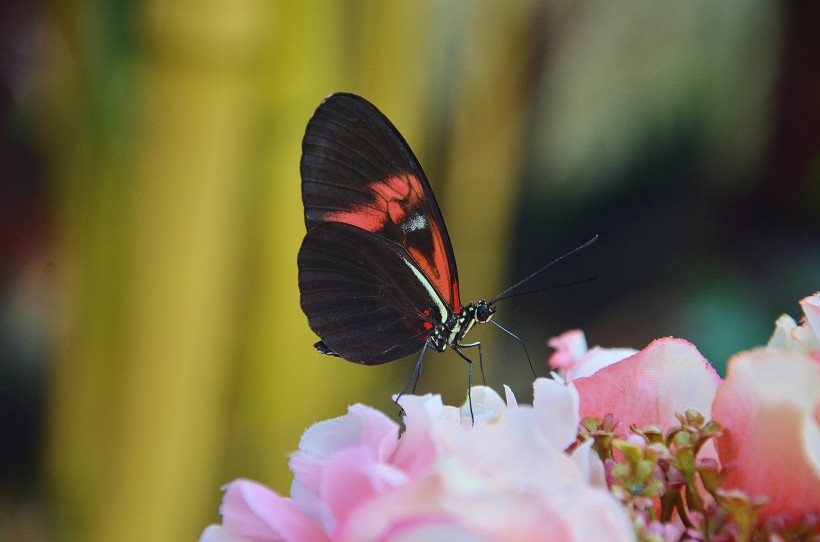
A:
<point x="648" y="388"/>
<point x="574" y="360"/>
<point x="811" y="310"/>
<point x="251" y="511"/>
<point x="507" y="477"/>
<point x="769" y="406"/>
<point x="803" y="338"/>
<point x="346" y="460"/>
<point x="500" y="471"/>
<point x="569" y="346"/>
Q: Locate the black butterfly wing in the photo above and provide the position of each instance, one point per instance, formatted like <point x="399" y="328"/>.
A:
<point x="357" y="169"/>
<point x="364" y="295"/>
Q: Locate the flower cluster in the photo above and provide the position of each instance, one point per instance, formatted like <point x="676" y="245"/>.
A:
<point x="508" y="477"/>
<point x="644" y="445"/>
<point x="751" y="474"/>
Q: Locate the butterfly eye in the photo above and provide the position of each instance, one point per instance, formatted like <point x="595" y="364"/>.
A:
<point x="483" y="312"/>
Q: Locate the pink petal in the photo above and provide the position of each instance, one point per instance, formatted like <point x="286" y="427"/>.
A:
<point x="417" y="501"/>
<point x="250" y="509"/>
<point x="769" y="407"/>
<point x="487" y="404"/>
<point x="509" y="396"/>
<point x="516" y="517"/>
<point x="427" y="508"/>
<point x="783" y="335"/>
<point x="666" y="377"/>
<point x="342" y="462"/>
<point x="362" y="427"/>
<point x="216" y="533"/>
<point x="596" y="516"/>
<point x="805" y="338"/>
<point x="811" y="308"/>
<point x="416" y="450"/>
<point x="353" y="478"/>
<point x="512" y="450"/>
<point x="596" y="359"/>
<point x="573" y="513"/>
<point x="809" y="332"/>
<point x="312" y="506"/>
<point x="556" y="411"/>
<point x="570" y="346"/>
<point x="590" y="464"/>
<point x="432" y="527"/>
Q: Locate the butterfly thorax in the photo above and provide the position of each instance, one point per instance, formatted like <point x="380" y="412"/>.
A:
<point x="459" y="324"/>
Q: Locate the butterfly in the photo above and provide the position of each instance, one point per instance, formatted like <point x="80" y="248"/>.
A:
<point x="377" y="274"/>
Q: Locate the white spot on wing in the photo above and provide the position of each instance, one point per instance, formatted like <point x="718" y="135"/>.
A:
<point x="418" y="222"/>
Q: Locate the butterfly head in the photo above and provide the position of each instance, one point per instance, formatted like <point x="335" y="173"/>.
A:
<point x="483" y="312"/>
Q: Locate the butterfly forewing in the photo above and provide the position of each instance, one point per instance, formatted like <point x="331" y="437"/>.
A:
<point x="357" y="169"/>
<point x="364" y="295"/>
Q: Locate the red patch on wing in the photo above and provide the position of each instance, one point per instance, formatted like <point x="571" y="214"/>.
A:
<point x="394" y="198"/>
<point x="428" y="325"/>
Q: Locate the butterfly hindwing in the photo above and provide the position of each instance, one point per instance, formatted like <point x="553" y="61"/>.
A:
<point x="364" y="295"/>
<point x="357" y="169"/>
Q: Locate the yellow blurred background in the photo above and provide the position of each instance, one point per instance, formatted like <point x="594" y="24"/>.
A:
<point x="152" y="346"/>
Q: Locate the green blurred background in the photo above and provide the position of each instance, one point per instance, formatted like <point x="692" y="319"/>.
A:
<point x="152" y="346"/>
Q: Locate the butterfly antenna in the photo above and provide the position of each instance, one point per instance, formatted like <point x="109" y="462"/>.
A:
<point x="503" y="295"/>
<point x="517" y="338"/>
<point x="553" y="287"/>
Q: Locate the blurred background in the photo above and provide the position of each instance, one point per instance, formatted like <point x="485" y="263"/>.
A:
<point x="152" y="346"/>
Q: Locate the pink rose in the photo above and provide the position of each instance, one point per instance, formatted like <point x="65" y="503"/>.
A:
<point x="250" y="512"/>
<point x="650" y="387"/>
<point x="804" y="338"/>
<point x="811" y="310"/>
<point x="574" y="360"/>
<point x="569" y="347"/>
<point x="507" y="477"/>
<point x="344" y="461"/>
<point x="769" y="407"/>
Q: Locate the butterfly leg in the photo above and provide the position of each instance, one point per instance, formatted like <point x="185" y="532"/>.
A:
<point x="457" y="350"/>
<point x="480" y="358"/>
<point x="414" y="379"/>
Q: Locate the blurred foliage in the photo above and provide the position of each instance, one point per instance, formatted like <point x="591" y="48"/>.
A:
<point x="152" y="346"/>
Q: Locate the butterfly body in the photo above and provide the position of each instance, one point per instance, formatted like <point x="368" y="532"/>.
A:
<point x="450" y="333"/>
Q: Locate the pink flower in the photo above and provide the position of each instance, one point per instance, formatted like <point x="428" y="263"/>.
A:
<point x="651" y="386"/>
<point x="811" y="310"/>
<point x="251" y="511"/>
<point x="344" y="461"/>
<point x="769" y="407"/>
<point x="574" y="360"/>
<point x="508" y="477"/>
<point x="804" y="338"/>
<point x="570" y="347"/>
